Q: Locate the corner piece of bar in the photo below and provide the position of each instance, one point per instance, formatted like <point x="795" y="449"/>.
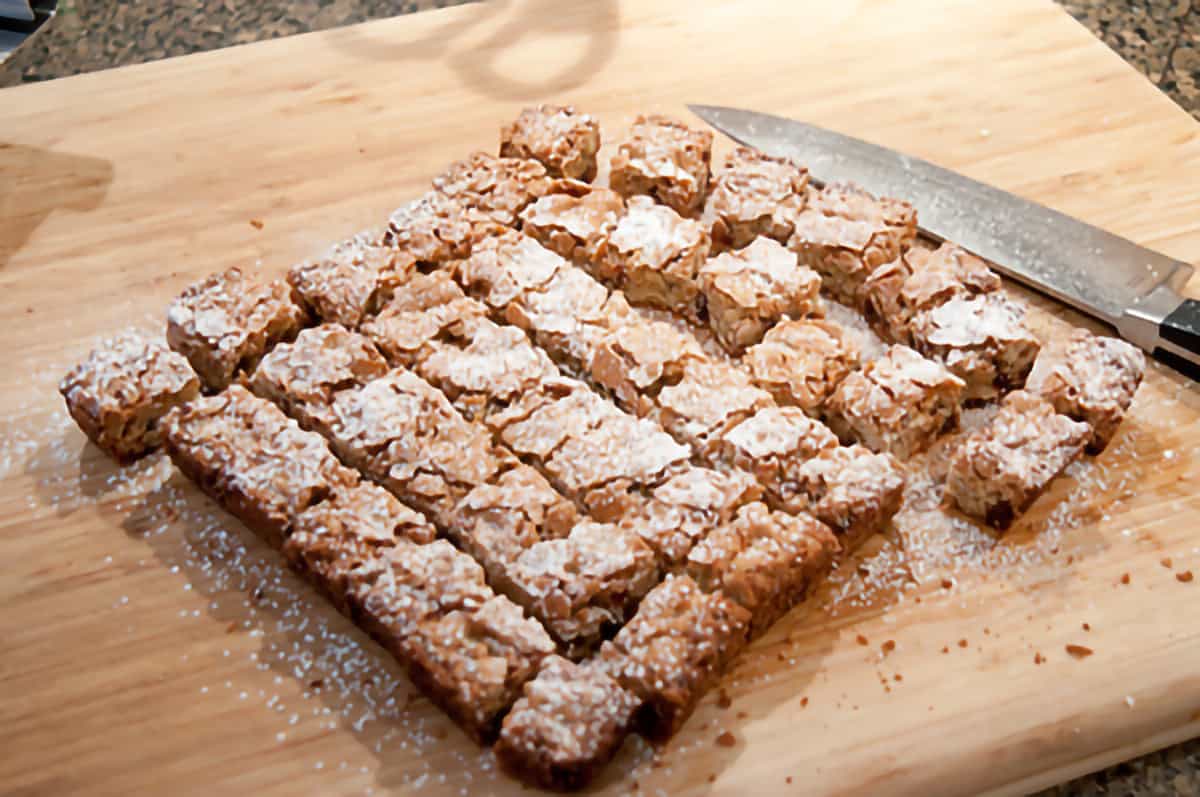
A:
<point x="998" y="471"/>
<point x="225" y="324"/>
<point x="674" y="650"/>
<point x="559" y="137"/>
<point x="765" y="561"/>
<point x="1089" y="378"/>
<point x="983" y="340"/>
<point x="747" y="291"/>
<point x="570" y="721"/>
<point x="800" y="363"/>
<point x="756" y="194"/>
<point x="665" y="159"/>
<point x="350" y="282"/>
<point x="122" y="390"/>
<point x="898" y="403"/>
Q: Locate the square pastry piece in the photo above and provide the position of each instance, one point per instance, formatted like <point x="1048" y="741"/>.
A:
<point x="225" y="324"/>
<point x="998" y="471"/>
<point x="756" y="195"/>
<point x="1091" y="379"/>
<point x="495" y="188"/>
<point x="570" y="721"/>
<point x="845" y="233"/>
<point x="800" y="363"/>
<point x="983" y="340"/>
<point x="559" y="137"/>
<point x="920" y="280"/>
<point x="747" y="291"/>
<point x="435" y="228"/>
<point x="665" y="159"/>
<point x="119" y="393"/>
<point x="898" y="403"/>
<point x="574" y="226"/>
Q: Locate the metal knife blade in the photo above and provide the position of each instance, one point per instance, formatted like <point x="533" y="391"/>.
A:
<point x="1115" y="280"/>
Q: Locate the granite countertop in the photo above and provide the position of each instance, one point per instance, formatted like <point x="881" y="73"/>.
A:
<point x="1161" y="38"/>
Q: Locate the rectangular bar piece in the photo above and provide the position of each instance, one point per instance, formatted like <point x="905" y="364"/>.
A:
<point x="983" y="340"/>
<point x="674" y="650"/>
<point x="772" y="445"/>
<point x="405" y="434"/>
<point x="765" y="561"/>
<point x="568" y="724"/>
<point x="575" y="226"/>
<point x="756" y="194"/>
<point x="498" y="188"/>
<point x="851" y="489"/>
<point x="225" y="324"/>
<point x="845" y="233"/>
<point x="304" y="376"/>
<point x="426" y="308"/>
<point x="559" y="137"/>
<point x="1089" y="378"/>
<point x="998" y="471"/>
<point x="665" y="159"/>
<point x="710" y="399"/>
<point x="747" y="291"/>
<point x="253" y="460"/>
<point x="122" y="390"/>
<point x="435" y="228"/>
<point x="352" y="281"/>
<point x="920" y="280"/>
<point x="468" y="649"/>
<point x="801" y="363"/>
<point x="351" y="529"/>
<point x="898" y="403"/>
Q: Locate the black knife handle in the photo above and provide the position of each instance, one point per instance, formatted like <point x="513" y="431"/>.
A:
<point x="1182" y="328"/>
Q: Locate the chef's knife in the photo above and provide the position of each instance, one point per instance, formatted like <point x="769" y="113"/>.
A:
<point x="1125" y="285"/>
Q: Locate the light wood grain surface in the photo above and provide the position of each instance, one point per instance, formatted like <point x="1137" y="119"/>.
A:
<point x="150" y="645"/>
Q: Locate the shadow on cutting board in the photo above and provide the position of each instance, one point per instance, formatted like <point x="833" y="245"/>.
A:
<point x="39" y="182"/>
<point x="475" y="45"/>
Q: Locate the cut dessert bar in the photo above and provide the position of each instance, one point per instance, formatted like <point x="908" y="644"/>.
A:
<point x="654" y="255"/>
<point x="748" y="290"/>
<point x="352" y="281"/>
<point x="673" y="650"/>
<point x="499" y="188"/>
<point x="349" y="530"/>
<point x="468" y="649"/>
<point x="920" y="280"/>
<point x="304" y="376"/>
<point x="559" y="137"/>
<point x="225" y="323"/>
<point x="404" y="433"/>
<point x="576" y="227"/>
<point x="764" y="561"/>
<point x="851" y="489"/>
<point x="435" y="228"/>
<point x="710" y="399"/>
<point x="121" y="391"/>
<point x="426" y="308"/>
<point x="570" y="721"/>
<point x="898" y="403"/>
<point x="998" y="471"/>
<point x="755" y="195"/>
<point x="253" y="460"/>
<point x="584" y="585"/>
<point x="772" y="444"/>
<point x="1089" y="378"/>
<point x="687" y="506"/>
<point x="845" y="233"/>
<point x="983" y="340"/>
<point x="800" y="363"/>
<point x="592" y="452"/>
<point x="665" y="159"/>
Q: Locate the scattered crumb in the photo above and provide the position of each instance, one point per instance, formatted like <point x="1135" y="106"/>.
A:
<point x="743" y="714"/>
<point x="1038" y="658"/>
<point x="1124" y="578"/>
<point x="788" y="779"/>
<point x="898" y="677"/>
<point x="1087" y="627"/>
<point x="727" y="739"/>
<point x="947" y="583"/>
<point x="862" y="640"/>
<point x="945" y="649"/>
<point x="316" y="683"/>
<point x="1079" y="651"/>
<point x="229" y="629"/>
<point x="712" y="778"/>
<point x="888" y="646"/>
<point x="1184" y="577"/>
<point x="1167" y="563"/>
<point x="962" y="643"/>
<point x="987" y="631"/>
<point x="803" y="702"/>
<point x="723" y="700"/>
<point x="256" y="223"/>
<point x="1071" y="559"/>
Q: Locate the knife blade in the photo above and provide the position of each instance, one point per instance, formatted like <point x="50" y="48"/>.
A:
<point x="1127" y="286"/>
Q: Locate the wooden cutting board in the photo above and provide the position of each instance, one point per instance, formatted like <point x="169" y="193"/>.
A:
<point x="150" y="645"/>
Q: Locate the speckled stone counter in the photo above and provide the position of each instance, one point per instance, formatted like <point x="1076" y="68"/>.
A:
<point x="1161" y="38"/>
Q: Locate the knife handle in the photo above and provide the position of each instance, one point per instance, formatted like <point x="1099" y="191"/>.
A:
<point x="1181" y="329"/>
